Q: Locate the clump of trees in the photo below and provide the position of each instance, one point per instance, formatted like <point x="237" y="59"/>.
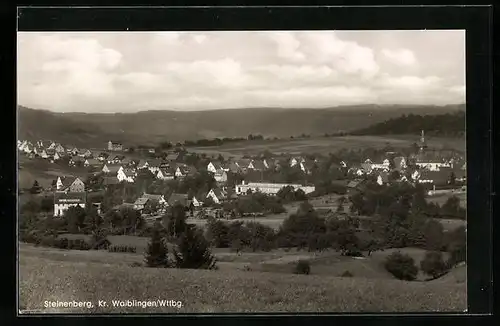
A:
<point x="402" y="266"/>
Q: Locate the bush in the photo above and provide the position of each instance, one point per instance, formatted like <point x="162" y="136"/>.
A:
<point x="122" y="249"/>
<point x="401" y="266"/>
<point x="456" y="246"/>
<point x="193" y="251"/>
<point x="346" y="274"/>
<point x="156" y="254"/>
<point x="303" y="267"/>
<point x="433" y="264"/>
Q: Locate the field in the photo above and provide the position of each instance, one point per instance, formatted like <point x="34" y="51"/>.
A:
<point x="43" y="171"/>
<point x="267" y="284"/>
<point x="324" y="145"/>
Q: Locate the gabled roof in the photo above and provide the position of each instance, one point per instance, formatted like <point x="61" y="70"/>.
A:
<point x="141" y="201"/>
<point x="129" y="172"/>
<point x="172" y="156"/>
<point x="110" y="181"/>
<point x="93" y="161"/>
<point x="152" y="196"/>
<point x="219" y="193"/>
<point x="243" y="163"/>
<point x="154" y="163"/>
<point x="258" y="165"/>
<point x="113" y="168"/>
<point x="178" y="198"/>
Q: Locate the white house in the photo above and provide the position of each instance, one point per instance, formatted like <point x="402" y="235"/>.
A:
<point x="433" y="166"/>
<point x="126" y="175"/>
<point x="165" y="174"/>
<point x="220" y="176"/>
<point x="217" y="195"/>
<point x="70" y="184"/>
<point x="214" y="167"/>
<point x="65" y="200"/>
<point x="269" y="188"/>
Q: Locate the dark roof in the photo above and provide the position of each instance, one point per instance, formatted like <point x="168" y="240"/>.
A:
<point x="113" y="168"/>
<point x="110" y="181"/>
<point x="152" y="196"/>
<point x="178" y="198"/>
<point x="69" y="197"/>
<point x="172" y="156"/>
<point x="93" y="161"/>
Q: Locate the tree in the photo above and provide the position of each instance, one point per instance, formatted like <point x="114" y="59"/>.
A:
<point x="35" y="189"/>
<point x="74" y="217"/>
<point x="193" y="251"/>
<point x="217" y="233"/>
<point x="456" y="246"/>
<point x="434" y="235"/>
<point x="340" y="204"/>
<point x="92" y="218"/>
<point x="401" y="266"/>
<point x="433" y="264"/>
<point x="156" y="254"/>
<point x="175" y="220"/>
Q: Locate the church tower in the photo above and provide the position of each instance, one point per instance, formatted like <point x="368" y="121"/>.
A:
<point x="423" y="145"/>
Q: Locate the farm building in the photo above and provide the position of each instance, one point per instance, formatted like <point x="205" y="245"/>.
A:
<point x="70" y="184"/>
<point x="65" y="200"/>
<point x="269" y="188"/>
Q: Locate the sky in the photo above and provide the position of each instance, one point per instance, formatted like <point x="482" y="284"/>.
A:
<point x="136" y="71"/>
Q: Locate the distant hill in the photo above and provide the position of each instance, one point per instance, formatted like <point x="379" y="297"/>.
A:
<point x="450" y="124"/>
<point x="155" y="126"/>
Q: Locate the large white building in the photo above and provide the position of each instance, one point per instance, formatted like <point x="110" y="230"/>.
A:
<point x="65" y="200"/>
<point x="269" y="188"/>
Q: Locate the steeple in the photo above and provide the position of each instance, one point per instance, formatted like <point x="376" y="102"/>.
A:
<point x="422" y="141"/>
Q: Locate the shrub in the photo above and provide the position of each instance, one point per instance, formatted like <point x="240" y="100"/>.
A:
<point x="122" y="249"/>
<point x="456" y="246"/>
<point x="156" y="254"/>
<point x="303" y="267"/>
<point x="401" y="266"/>
<point x="193" y="251"/>
<point x="136" y="264"/>
<point x="433" y="264"/>
<point x="346" y="274"/>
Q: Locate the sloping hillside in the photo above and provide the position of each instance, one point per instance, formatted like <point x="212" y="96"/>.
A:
<point x="155" y="126"/>
<point x="447" y="124"/>
<point x="39" y="124"/>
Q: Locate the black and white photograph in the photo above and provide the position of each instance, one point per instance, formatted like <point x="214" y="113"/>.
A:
<point x="287" y="171"/>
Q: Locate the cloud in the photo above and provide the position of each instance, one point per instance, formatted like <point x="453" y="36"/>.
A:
<point x="401" y="57"/>
<point x="213" y="70"/>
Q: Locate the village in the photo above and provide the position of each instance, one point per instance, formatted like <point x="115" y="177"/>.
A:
<point x="114" y="165"/>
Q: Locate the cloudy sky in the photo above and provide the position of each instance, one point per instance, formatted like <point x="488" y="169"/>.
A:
<point x="134" y="71"/>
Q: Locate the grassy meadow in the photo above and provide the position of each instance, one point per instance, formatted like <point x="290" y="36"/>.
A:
<point x="52" y="274"/>
<point x="324" y="145"/>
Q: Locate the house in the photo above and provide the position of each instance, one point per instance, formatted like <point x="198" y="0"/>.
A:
<point x="234" y="168"/>
<point x="142" y="164"/>
<point x="43" y="154"/>
<point x="269" y="188"/>
<point x="220" y="176"/>
<point x="111" y="169"/>
<point x="127" y="175"/>
<point x="383" y="178"/>
<point x="217" y="195"/>
<point x="307" y="166"/>
<point x="400" y="163"/>
<point x="440" y="177"/>
<point x="177" y="198"/>
<point x="87" y="153"/>
<point x="59" y="149"/>
<point x="72" y="150"/>
<point x="115" y="146"/>
<point x="184" y="171"/>
<point x="28" y="149"/>
<point x="76" y="161"/>
<point x="166" y="174"/>
<point x="214" y="167"/>
<point x="433" y="166"/>
<point x="116" y="159"/>
<point x="196" y="202"/>
<point x="296" y="160"/>
<point x="154" y="165"/>
<point x="140" y="203"/>
<point x="243" y="164"/>
<point x="92" y="162"/>
<point x="160" y="199"/>
<point x="70" y="184"/>
<point x="103" y="156"/>
<point x="65" y="200"/>
<point x="256" y="165"/>
<point x="172" y="157"/>
<point x="127" y="161"/>
<point x="52" y="145"/>
<point x="58" y="156"/>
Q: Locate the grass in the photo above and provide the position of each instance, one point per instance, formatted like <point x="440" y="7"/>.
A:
<point x="324" y="145"/>
<point x="224" y="291"/>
